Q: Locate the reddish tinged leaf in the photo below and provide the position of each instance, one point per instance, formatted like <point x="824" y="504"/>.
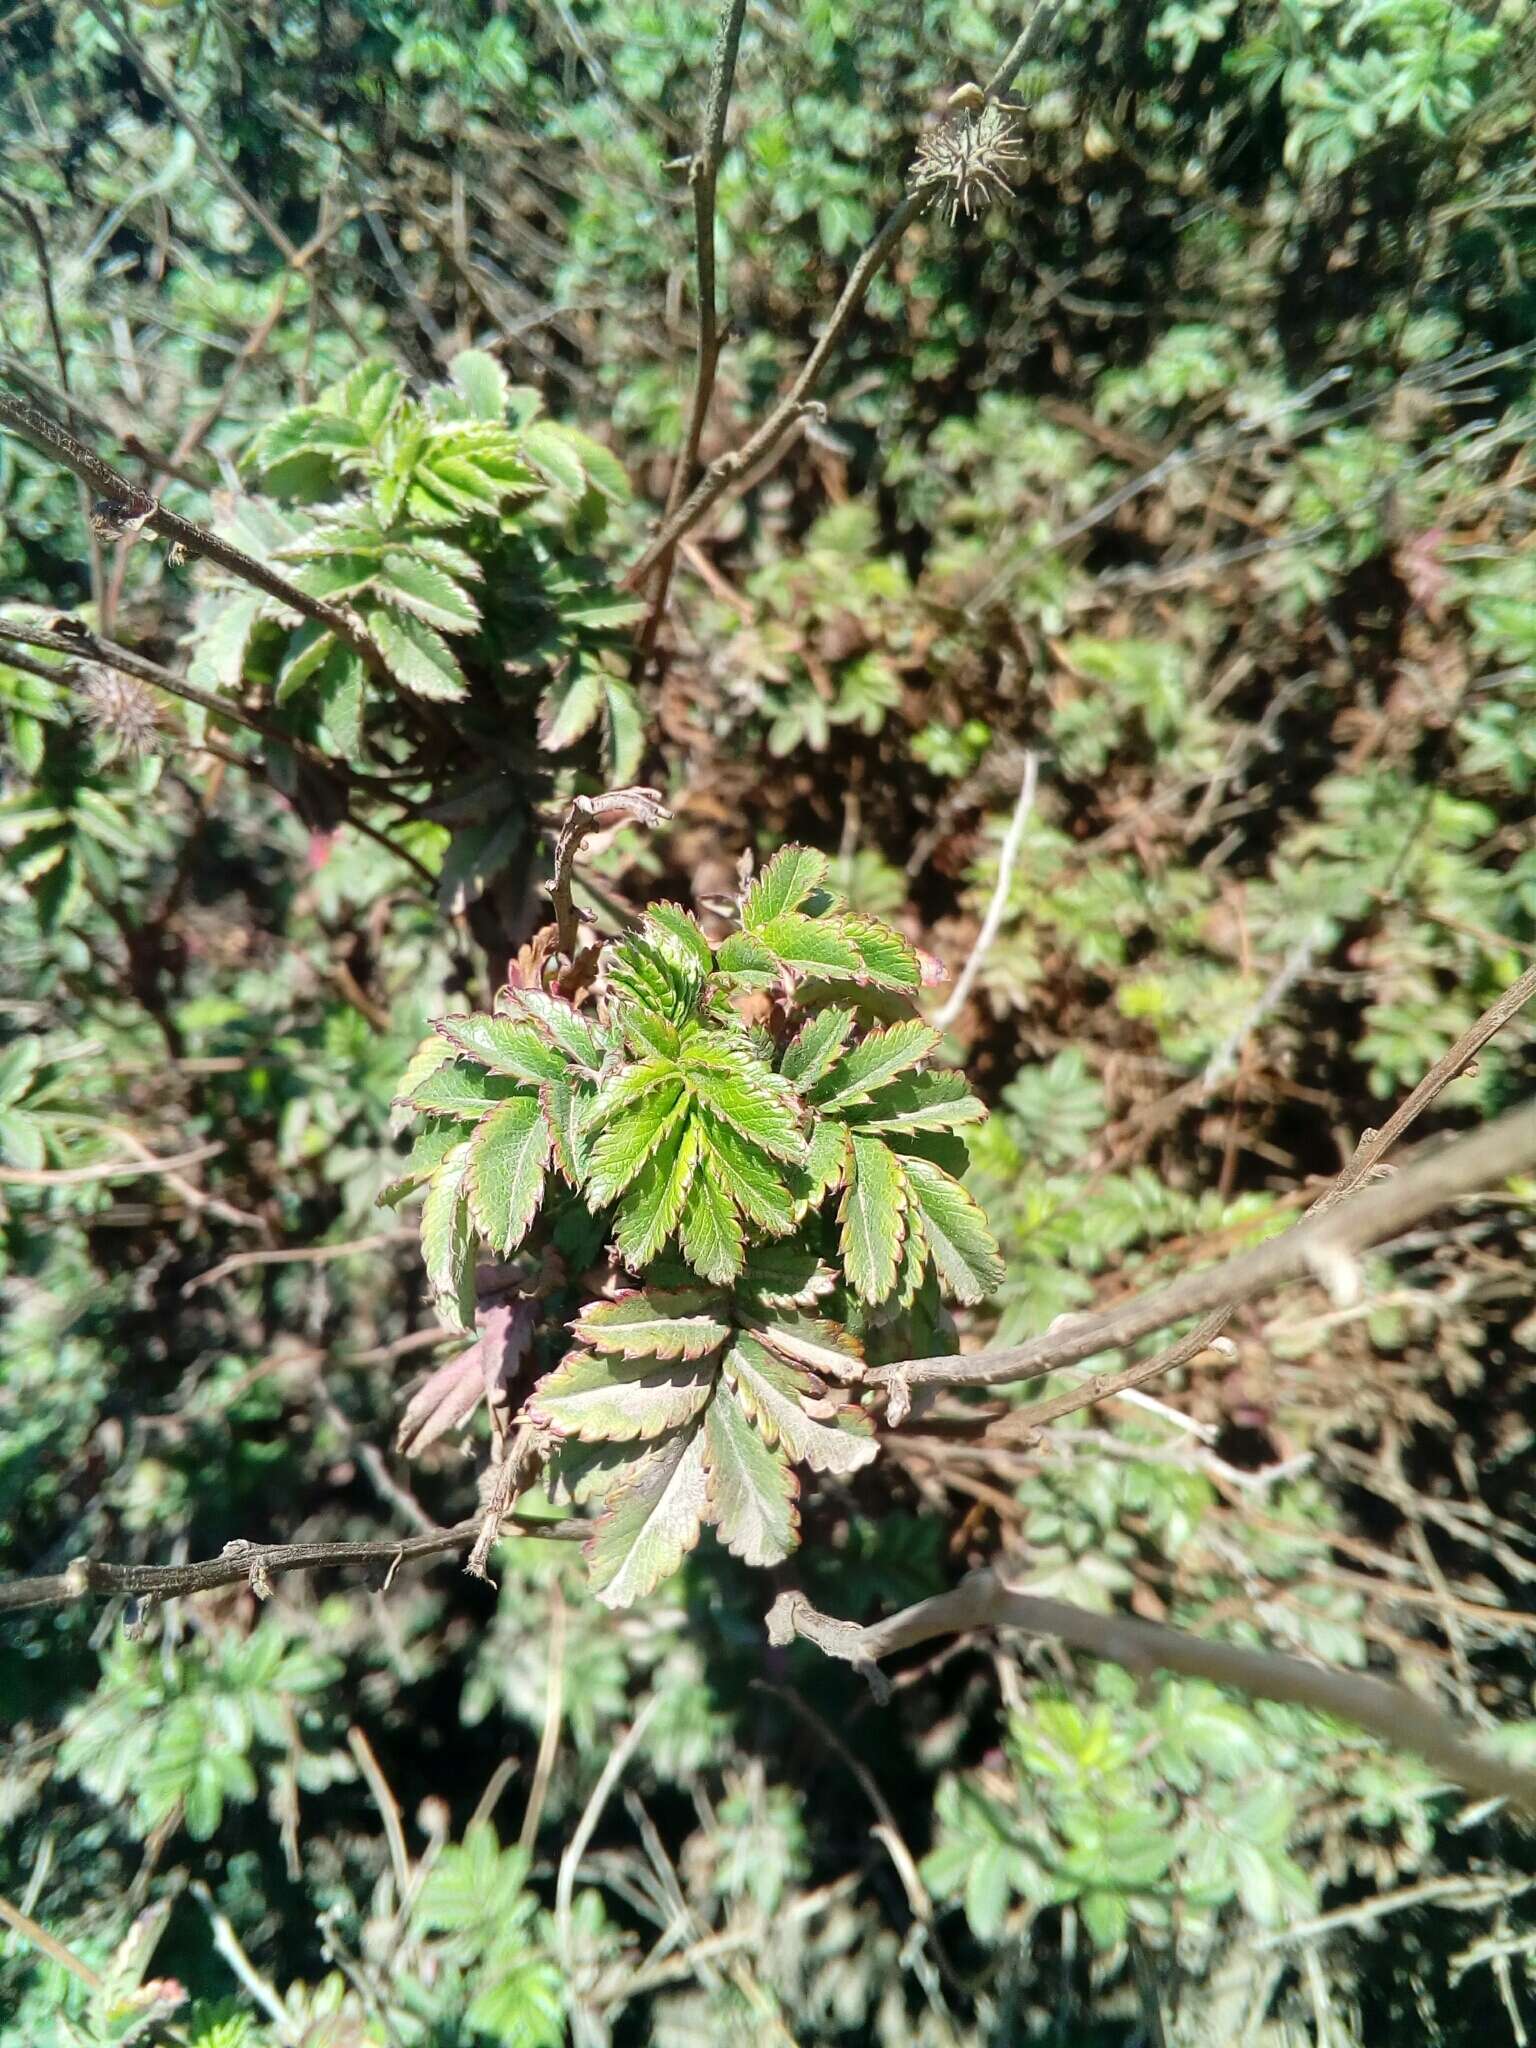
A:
<point x="447" y="1398"/>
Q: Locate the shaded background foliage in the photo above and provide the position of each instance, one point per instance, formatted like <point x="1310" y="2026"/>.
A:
<point x="1199" y="467"/>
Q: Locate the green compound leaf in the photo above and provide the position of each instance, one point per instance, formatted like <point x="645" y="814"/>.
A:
<point x="886" y="958"/>
<point x="744" y="1093"/>
<point x="602" y="1398"/>
<point x="570" y="706"/>
<point x="427" y="592"/>
<point x="506" y="1046"/>
<point x="624" y="1144"/>
<point x="564" y="1110"/>
<point x="651" y="1522"/>
<point x="794" y="874"/>
<point x="826" y="1165"/>
<point x="752" y="1491"/>
<point x="459" y="1089"/>
<point x="814" y="1050"/>
<point x="655" y="1322"/>
<point x="560" y="1021"/>
<point x="810" y="945"/>
<point x="507" y="1158"/>
<point x="448" y="1241"/>
<point x="711" y="1231"/>
<point x="964" y="1249"/>
<point x="651" y="1209"/>
<point x="873" y="1218"/>
<point x="754" y="1182"/>
<point x="673" y="931"/>
<point x="418" y="658"/>
<point x="428" y="1057"/>
<point x="481" y="382"/>
<point x="919" y="1102"/>
<point x="877" y="1058"/>
<point x="774" y="1393"/>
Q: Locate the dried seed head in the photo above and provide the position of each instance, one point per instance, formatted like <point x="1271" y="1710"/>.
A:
<point x="967" y="160"/>
<point x="120" y="709"/>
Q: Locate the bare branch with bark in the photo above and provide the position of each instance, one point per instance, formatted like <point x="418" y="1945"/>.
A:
<point x="986" y="1601"/>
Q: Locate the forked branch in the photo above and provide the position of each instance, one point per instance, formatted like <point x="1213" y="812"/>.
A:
<point x="1325" y="1247"/>
<point x="253" y="1562"/>
<point x="986" y="1601"/>
<point x="797" y="400"/>
<point x="126" y="507"/>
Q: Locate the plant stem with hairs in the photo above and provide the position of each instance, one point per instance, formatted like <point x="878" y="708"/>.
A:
<point x="797" y="400"/>
<point x="137" y="508"/>
<point x="704" y="176"/>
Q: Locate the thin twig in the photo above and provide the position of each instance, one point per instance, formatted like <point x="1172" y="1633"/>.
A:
<point x="24" y="1925"/>
<point x="123" y="1169"/>
<point x="1374" y="1145"/>
<point x="308" y="1255"/>
<point x="86" y="645"/>
<point x="549" y="1739"/>
<point x="135" y="508"/>
<point x="254" y="1562"/>
<point x="591" y="1814"/>
<point x="1323" y="1245"/>
<point x="990" y="924"/>
<point x="985" y="1600"/>
<point x="793" y="405"/>
<point x="589" y="814"/>
<point x="229" y="1945"/>
<point x="704" y="173"/>
<point x="388" y="1805"/>
<point x="78" y="640"/>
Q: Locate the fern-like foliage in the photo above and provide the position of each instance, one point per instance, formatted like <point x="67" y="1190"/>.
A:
<point x="456" y="529"/>
<point x="751" y="1125"/>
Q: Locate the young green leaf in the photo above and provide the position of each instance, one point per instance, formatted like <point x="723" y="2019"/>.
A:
<point x="423" y="589"/>
<point x="417" y="657"/>
<point x="794" y="874"/>
<point x="773" y="1392"/>
<point x="878" y="1057"/>
<point x="561" y="1021"/>
<point x="873" y="1218"/>
<point x="815" y="1047"/>
<point x="460" y="1090"/>
<point x="655" y="1322"/>
<point x="597" y="1396"/>
<point x="651" y="1522"/>
<point x="919" y="1102"/>
<point x="711" y="1230"/>
<point x="570" y="706"/>
<point x="651" y="1209"/>
<point x="964" y="1249"/>
<point x="885" y="957"/>
<point x="481" y="382"/>
<point x="506" y="1046"/>
<point x="826" y="1165"/>
<point x="507" y="1158"/>
<point x="752" y="1180"/>
<point x="809" y="945"/>
<point x="448" y="1241"/>
<point x="626" y="1141"/>
<point x="671" y="930"/>
<point x="428" y="1057"/>
<point x="564" y="1109"/>
<point x="752" y="1491"/>
<point x="742" y="1092"/>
